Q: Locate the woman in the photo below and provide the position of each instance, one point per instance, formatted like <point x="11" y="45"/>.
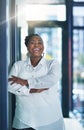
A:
<point x="34" y="82"/>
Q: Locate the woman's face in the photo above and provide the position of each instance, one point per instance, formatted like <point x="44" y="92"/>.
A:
<point x="35" y="46"/>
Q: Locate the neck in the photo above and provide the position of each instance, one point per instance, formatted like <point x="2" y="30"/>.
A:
<point x="35" y="60"/>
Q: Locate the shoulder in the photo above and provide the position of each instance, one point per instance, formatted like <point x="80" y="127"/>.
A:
<point x="52" y="62"/>
<point x="20" y="63"/>
<point x="53" y="66"/>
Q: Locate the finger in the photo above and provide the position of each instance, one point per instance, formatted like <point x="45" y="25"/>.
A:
<point x="46" y="88"/>
<point x="33" y="90"/>
<point x="12" y="82"/>
<point x="10" y="79"/>
<point x="14" y="76"/>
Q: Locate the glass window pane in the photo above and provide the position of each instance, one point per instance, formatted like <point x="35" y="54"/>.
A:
<point x="78" y="0"/>
<point x="78" y="16"/>
<point x="78" y="72"/>
<point x="40" y="12"/>
<point x="40" y="1"/>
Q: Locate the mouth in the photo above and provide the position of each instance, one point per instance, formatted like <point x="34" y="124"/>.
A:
<point x="36" y="49"/>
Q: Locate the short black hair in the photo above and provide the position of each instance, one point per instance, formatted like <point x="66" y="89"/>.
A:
<point x="28" y="38"/>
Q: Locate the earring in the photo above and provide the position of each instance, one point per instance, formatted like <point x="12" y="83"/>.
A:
<point x="42" y="54"/>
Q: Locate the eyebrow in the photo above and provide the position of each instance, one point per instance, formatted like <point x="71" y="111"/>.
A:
<point x="35" y="40"/>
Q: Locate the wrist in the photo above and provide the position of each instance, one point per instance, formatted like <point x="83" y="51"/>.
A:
<point x="26" y="83"/>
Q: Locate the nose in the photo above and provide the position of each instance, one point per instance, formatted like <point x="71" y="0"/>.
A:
<point x="36" y="43"/>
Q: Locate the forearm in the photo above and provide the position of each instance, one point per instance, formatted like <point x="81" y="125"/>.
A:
<point x="33" y="90"/>
<point x="46" y="81"/>
<point x="20" y="86"/>
<point x="18" y="89"/>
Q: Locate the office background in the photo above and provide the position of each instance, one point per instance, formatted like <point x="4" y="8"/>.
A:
<point x="61" y="24"/>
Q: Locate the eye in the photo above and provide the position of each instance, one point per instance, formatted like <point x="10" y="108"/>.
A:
<point x="32" y="42"/>
<point x="40" y="42"/>
<point x="36" y="42"/>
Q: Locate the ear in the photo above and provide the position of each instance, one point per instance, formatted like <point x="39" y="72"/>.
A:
<point x="27" y="48"/>
<point x="28" y="54"/>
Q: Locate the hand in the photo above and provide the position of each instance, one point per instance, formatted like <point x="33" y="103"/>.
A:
<point x="17" y="80"/>
<point x="34" y="90"/>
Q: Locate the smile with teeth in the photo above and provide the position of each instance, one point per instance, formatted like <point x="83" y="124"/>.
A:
<point x="36" y="49"/>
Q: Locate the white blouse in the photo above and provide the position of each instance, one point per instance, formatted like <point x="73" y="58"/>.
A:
<point x="36" y="109"/>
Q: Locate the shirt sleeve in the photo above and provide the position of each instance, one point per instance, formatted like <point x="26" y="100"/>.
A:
<point x="49" y="80"/>
<point x="16" y="89"/>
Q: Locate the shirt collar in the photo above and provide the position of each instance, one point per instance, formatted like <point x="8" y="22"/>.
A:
<point x="42" y="61"/>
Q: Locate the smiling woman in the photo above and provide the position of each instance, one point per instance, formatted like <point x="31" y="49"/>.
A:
<point x="35" y="47"/>
<point x="34" y="82"/>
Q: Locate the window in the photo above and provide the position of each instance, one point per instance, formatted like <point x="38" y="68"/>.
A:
<point x="78" y="16"/>
<point x="78" y="60"/>
<point x="78" y="0"/>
